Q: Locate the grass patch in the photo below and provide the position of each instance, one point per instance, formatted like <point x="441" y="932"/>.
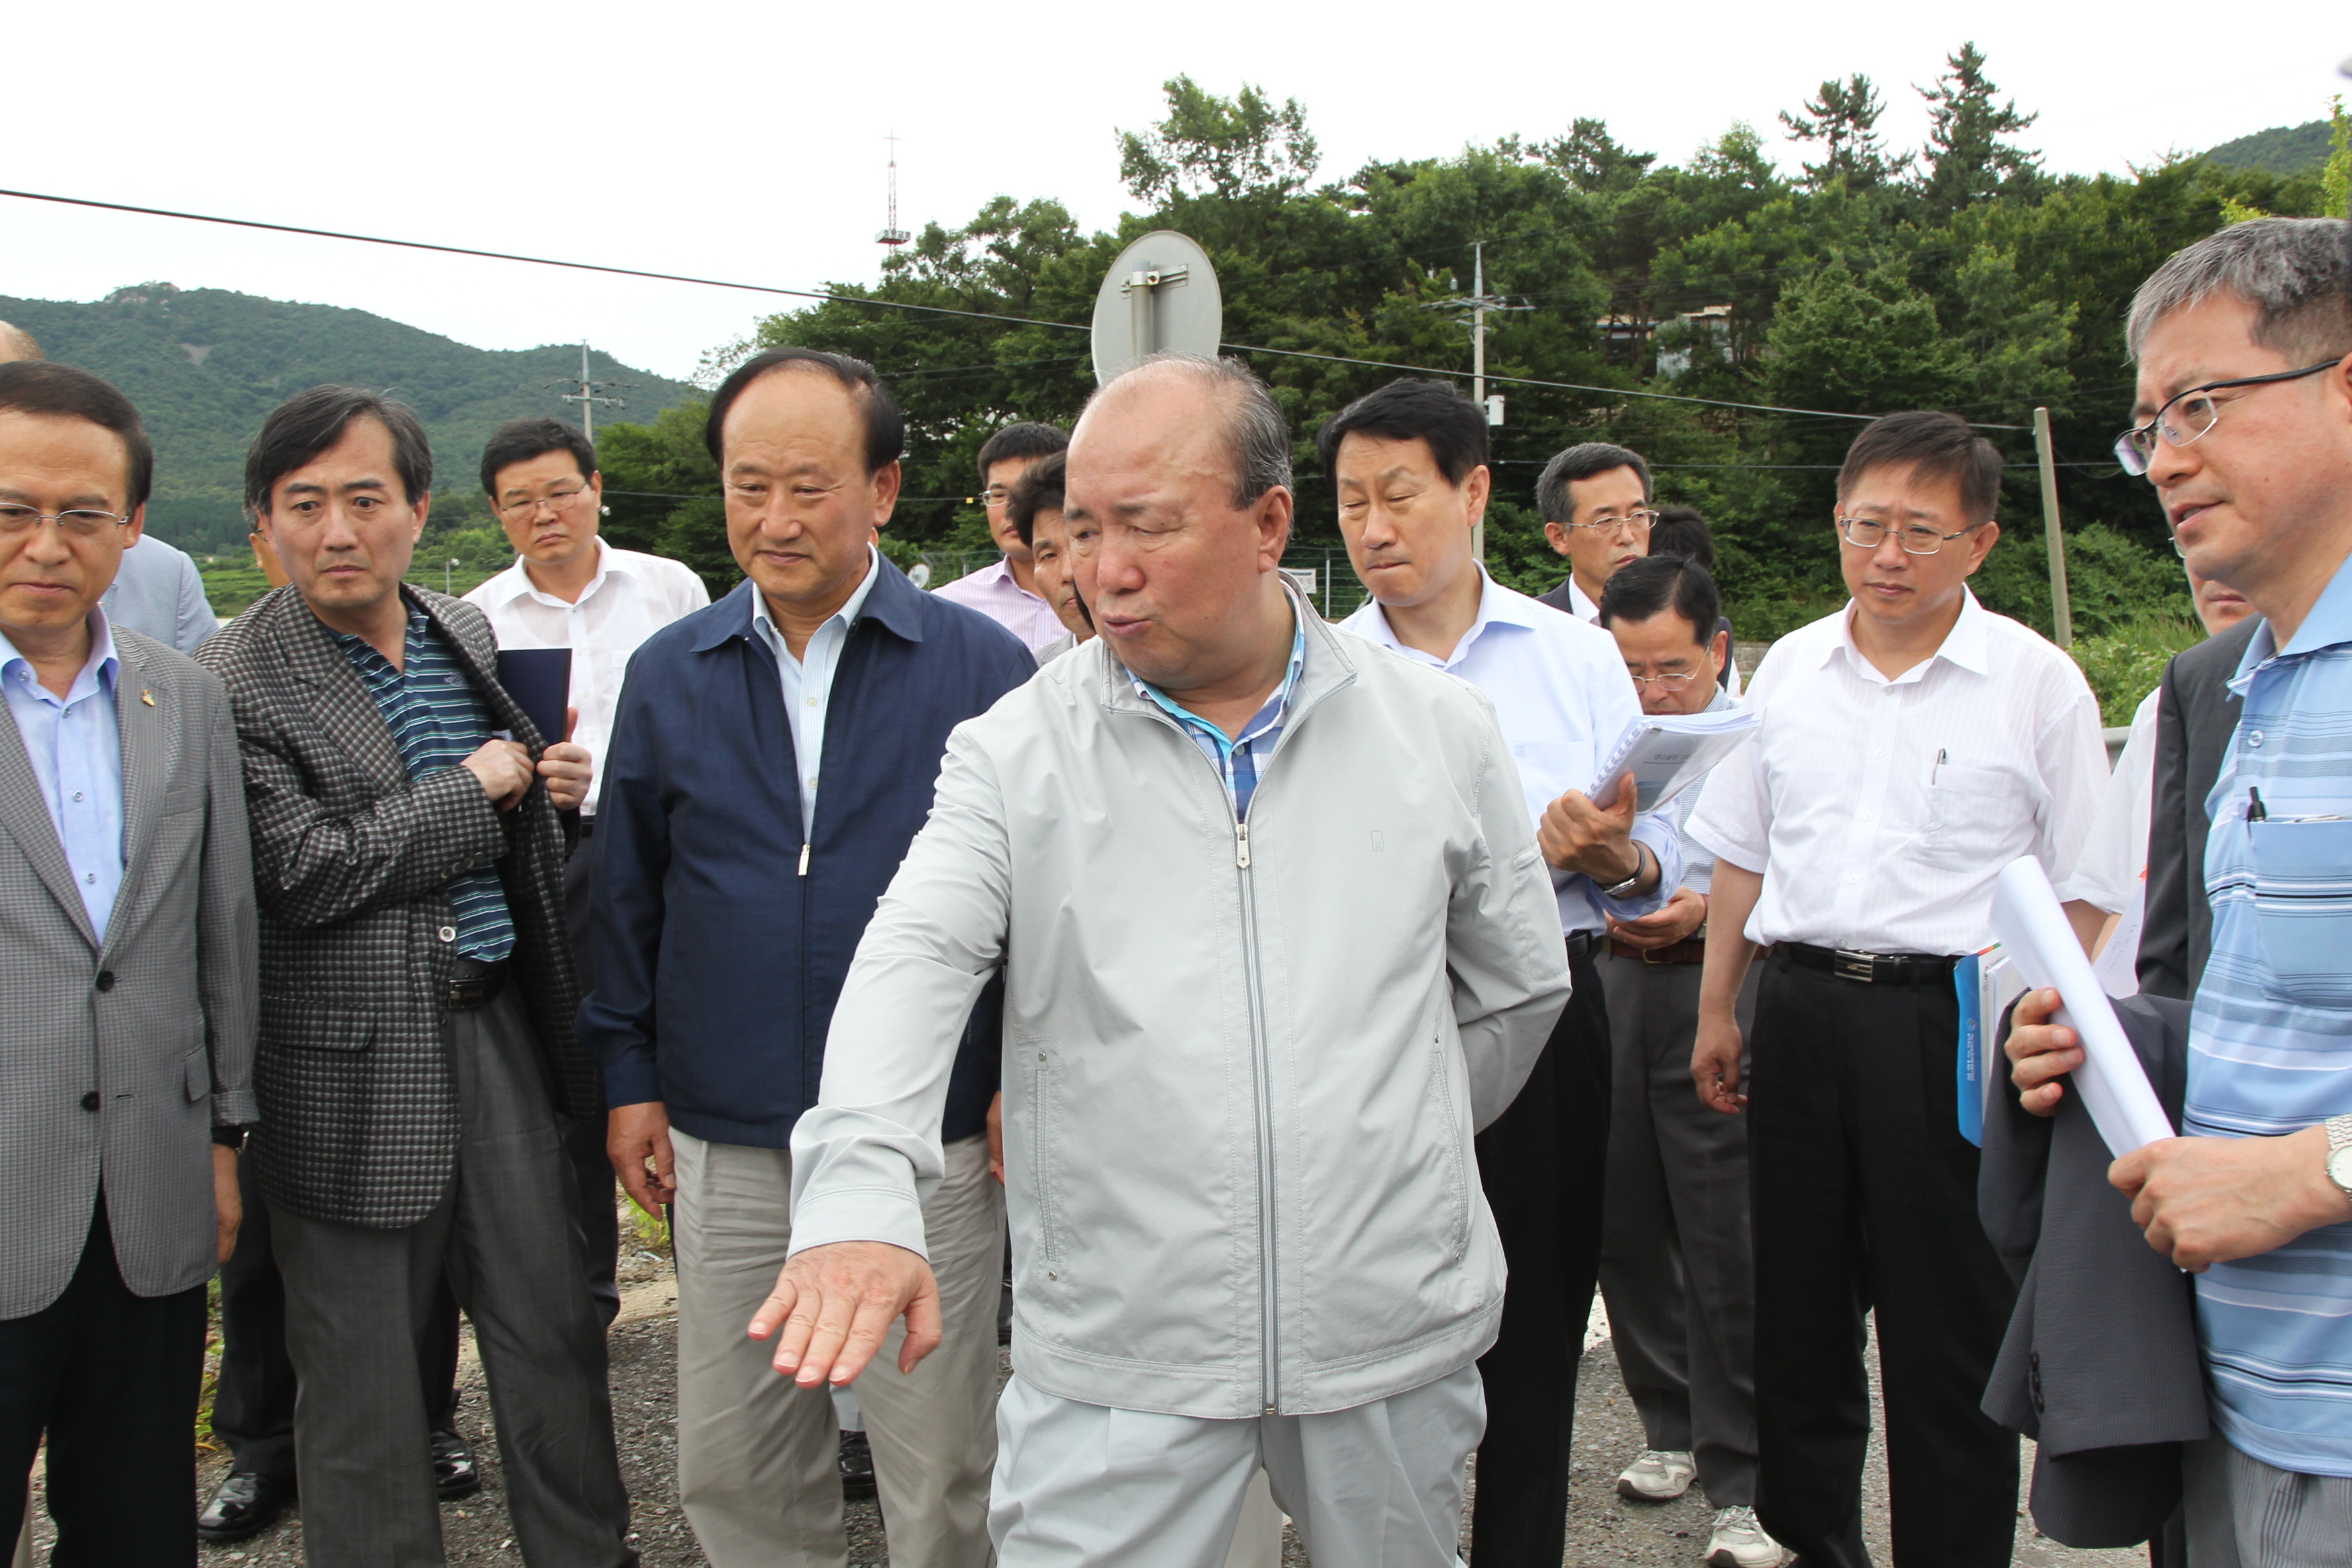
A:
<point x="2124" y="665"/>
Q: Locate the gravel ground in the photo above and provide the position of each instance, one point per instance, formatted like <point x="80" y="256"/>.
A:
<point x="1602" y="1528"/>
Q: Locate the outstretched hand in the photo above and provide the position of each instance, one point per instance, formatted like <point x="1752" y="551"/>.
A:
<point x="836" y="1305"/>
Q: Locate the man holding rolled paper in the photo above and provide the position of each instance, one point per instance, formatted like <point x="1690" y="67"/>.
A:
<point x="1910" y="746"/>
<point x="2244" y="343"/>
<point x="1410" y="465"/>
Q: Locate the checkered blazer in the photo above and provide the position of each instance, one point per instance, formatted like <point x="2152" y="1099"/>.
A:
<point x="154" y="1028"/>
<point x="359" y="1107"/>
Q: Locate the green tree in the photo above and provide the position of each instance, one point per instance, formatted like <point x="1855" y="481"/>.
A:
<point x="1226" y="147"/>
<point x="1967" y="158"/>
<point x="1843" y="117"/>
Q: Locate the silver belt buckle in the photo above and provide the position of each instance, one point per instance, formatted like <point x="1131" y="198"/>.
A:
<point x="1847" y="964"/>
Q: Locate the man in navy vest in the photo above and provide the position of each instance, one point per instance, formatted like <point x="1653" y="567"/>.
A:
<point x="772" y="759"/>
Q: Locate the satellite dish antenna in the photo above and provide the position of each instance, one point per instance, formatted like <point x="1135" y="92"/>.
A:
<point x="1160" y="297"/>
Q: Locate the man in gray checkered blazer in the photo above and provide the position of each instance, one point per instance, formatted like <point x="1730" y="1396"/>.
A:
<point x="126" y="992"/>
<point x="416" y="1001"/>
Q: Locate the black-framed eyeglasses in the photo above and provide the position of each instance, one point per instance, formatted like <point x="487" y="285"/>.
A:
<point x="81" y="522"/>
<point x="1638" y="520"/>
<point x="2193" y="416"/>
<point x="1915" y="538"/>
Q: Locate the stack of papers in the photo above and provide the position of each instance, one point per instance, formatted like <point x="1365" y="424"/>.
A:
<point x="1668" y="752"/>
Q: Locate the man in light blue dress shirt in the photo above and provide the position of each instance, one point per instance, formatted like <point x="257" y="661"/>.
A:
<point x="1410" y="465"/>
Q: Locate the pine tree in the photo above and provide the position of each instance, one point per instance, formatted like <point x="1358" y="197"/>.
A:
<point x="1968" y="161"/>
<point x="1843" y="117"/>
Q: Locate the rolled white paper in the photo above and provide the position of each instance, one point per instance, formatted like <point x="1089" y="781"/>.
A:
<point x="2033" y="929"/>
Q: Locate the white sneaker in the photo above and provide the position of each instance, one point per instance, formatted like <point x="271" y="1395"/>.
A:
<point x="1739" y="1541"/>
<point x="1657" y="1476"/>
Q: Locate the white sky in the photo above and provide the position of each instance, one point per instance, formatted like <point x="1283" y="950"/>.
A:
<point x="754" y="151"/>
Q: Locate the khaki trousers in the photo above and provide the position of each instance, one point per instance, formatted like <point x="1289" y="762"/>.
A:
<point x="756" y="1454"/>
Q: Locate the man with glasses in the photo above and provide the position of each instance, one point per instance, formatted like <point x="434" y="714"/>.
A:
<point x="1409" y="462"/>
<point x="1675" y="1260"/>
<point x="128" y="1001"/>
<point x="568" y="588"/>
<point x="2244" y="343"/>
<point x="1911" y="746"/>
<point x="1594" y="500"/>
<point x="1007" y="592"/>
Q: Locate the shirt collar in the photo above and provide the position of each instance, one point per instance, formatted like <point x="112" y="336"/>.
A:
<point x="515" y="583"/>
<point x="847" y="613"/>
<point x="1497" y="605"/>
<point x="1270" y="713"/>
<point x="2330" y="622"/>
<point x="1582" y="607"/>
<point x="1964" y="645"/>
<point x="101" y="670"/>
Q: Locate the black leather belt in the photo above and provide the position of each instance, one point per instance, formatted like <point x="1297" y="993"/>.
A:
<point x="473" y="983"/>
<point x="1870" y="968"/>
<point x="1580" y="943"/>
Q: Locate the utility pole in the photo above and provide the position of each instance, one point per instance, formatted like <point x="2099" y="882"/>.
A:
<point x="1478" y="303"/>
<point x="591" y="393"/>
<point x="2061" y="613"/>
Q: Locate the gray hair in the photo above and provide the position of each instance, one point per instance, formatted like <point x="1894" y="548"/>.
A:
<point x="1257" y="436"/>
<point x="2293" y="270"/>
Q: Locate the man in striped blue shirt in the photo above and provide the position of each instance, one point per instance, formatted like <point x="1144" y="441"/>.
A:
<point x="2244" y="341"/>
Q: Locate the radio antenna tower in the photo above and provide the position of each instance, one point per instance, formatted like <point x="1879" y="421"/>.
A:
<point x="892" y="236"/>
<point x="591" y="394"/>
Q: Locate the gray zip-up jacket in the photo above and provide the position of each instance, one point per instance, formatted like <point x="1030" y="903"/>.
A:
<point x="1244" y="1061"/>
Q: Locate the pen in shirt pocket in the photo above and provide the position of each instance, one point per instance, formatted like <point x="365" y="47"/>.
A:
<point x="1942" y="756"/>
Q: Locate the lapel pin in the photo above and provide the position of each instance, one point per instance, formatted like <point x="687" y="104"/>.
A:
<point x="147" y="697"/>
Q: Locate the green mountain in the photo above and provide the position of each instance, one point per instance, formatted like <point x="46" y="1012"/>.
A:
<point x="206" y="366"/>
<point x="2281" y="149"/>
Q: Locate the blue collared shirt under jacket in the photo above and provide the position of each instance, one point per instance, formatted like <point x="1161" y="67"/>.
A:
<point x="719" y="950"/>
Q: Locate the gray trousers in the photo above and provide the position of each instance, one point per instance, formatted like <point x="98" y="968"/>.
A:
<point x="758" y="1455"/>
<point x="356" y="1305"/>
<point x="1676" y="1266"/>
<point x="2244" y="1513"/>
<point x="1376" y="1486"/>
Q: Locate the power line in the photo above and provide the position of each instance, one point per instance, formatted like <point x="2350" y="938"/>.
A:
<point x="902" y="304"/>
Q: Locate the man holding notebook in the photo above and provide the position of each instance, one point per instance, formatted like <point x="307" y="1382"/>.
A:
<point x="1910" y="746"/>
<point x="1410" y="465"/>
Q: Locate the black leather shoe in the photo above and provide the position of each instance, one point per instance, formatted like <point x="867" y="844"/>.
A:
<point x="455" y="1473"/>
<point x="856" y="1467"/>
<point x="247" y="1503"/>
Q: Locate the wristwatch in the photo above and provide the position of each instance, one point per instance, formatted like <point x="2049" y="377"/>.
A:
<point x="2339" y="1151"/>
<point x="1627" y="885"/>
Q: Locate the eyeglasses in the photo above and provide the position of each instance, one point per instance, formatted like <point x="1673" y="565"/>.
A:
<point x="84" y="522"/>
<point x="1638" y="520"/>
<point x="1917" y="539"/>
<point x="1673" y="681"/>
<point x="996" y="495"/>
<point x="557" y="499"/>
<point x="2193" y="416"/>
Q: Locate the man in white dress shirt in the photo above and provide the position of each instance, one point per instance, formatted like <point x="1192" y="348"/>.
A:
<point x="1912" y="745"/>
<point x="568" y="588"/>
<point x="1007" y="592"/>
<point x="1594" y="500"/>
<point x="1409" y="462"/>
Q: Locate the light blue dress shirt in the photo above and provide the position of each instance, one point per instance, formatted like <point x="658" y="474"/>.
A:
<point x="159" y="593"/>
<point x="808" y="681"/>
<point x="2270" y="1042"/>
<point x="1562" y="696"/>
<point x="75" y="748"/>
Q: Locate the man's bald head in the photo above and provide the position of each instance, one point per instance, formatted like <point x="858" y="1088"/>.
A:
<point x="17" y="343"/>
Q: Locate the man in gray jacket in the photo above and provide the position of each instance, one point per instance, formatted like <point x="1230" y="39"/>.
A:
<point x="127" y="992"/>
<point x="1277" y="941"/>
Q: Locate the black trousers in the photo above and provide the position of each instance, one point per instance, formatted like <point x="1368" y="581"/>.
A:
<point x="113" y="1378"/>
<point x="1541" y="1165"/>
<point x="1865" y="1199"/>
<point x="253" y="1404"/>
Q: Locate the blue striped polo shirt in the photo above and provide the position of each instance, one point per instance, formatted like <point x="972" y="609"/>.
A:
<point x="438" y="720"/>
<point x="1237" y="759"/>
<point x="2270" y="1041"/>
